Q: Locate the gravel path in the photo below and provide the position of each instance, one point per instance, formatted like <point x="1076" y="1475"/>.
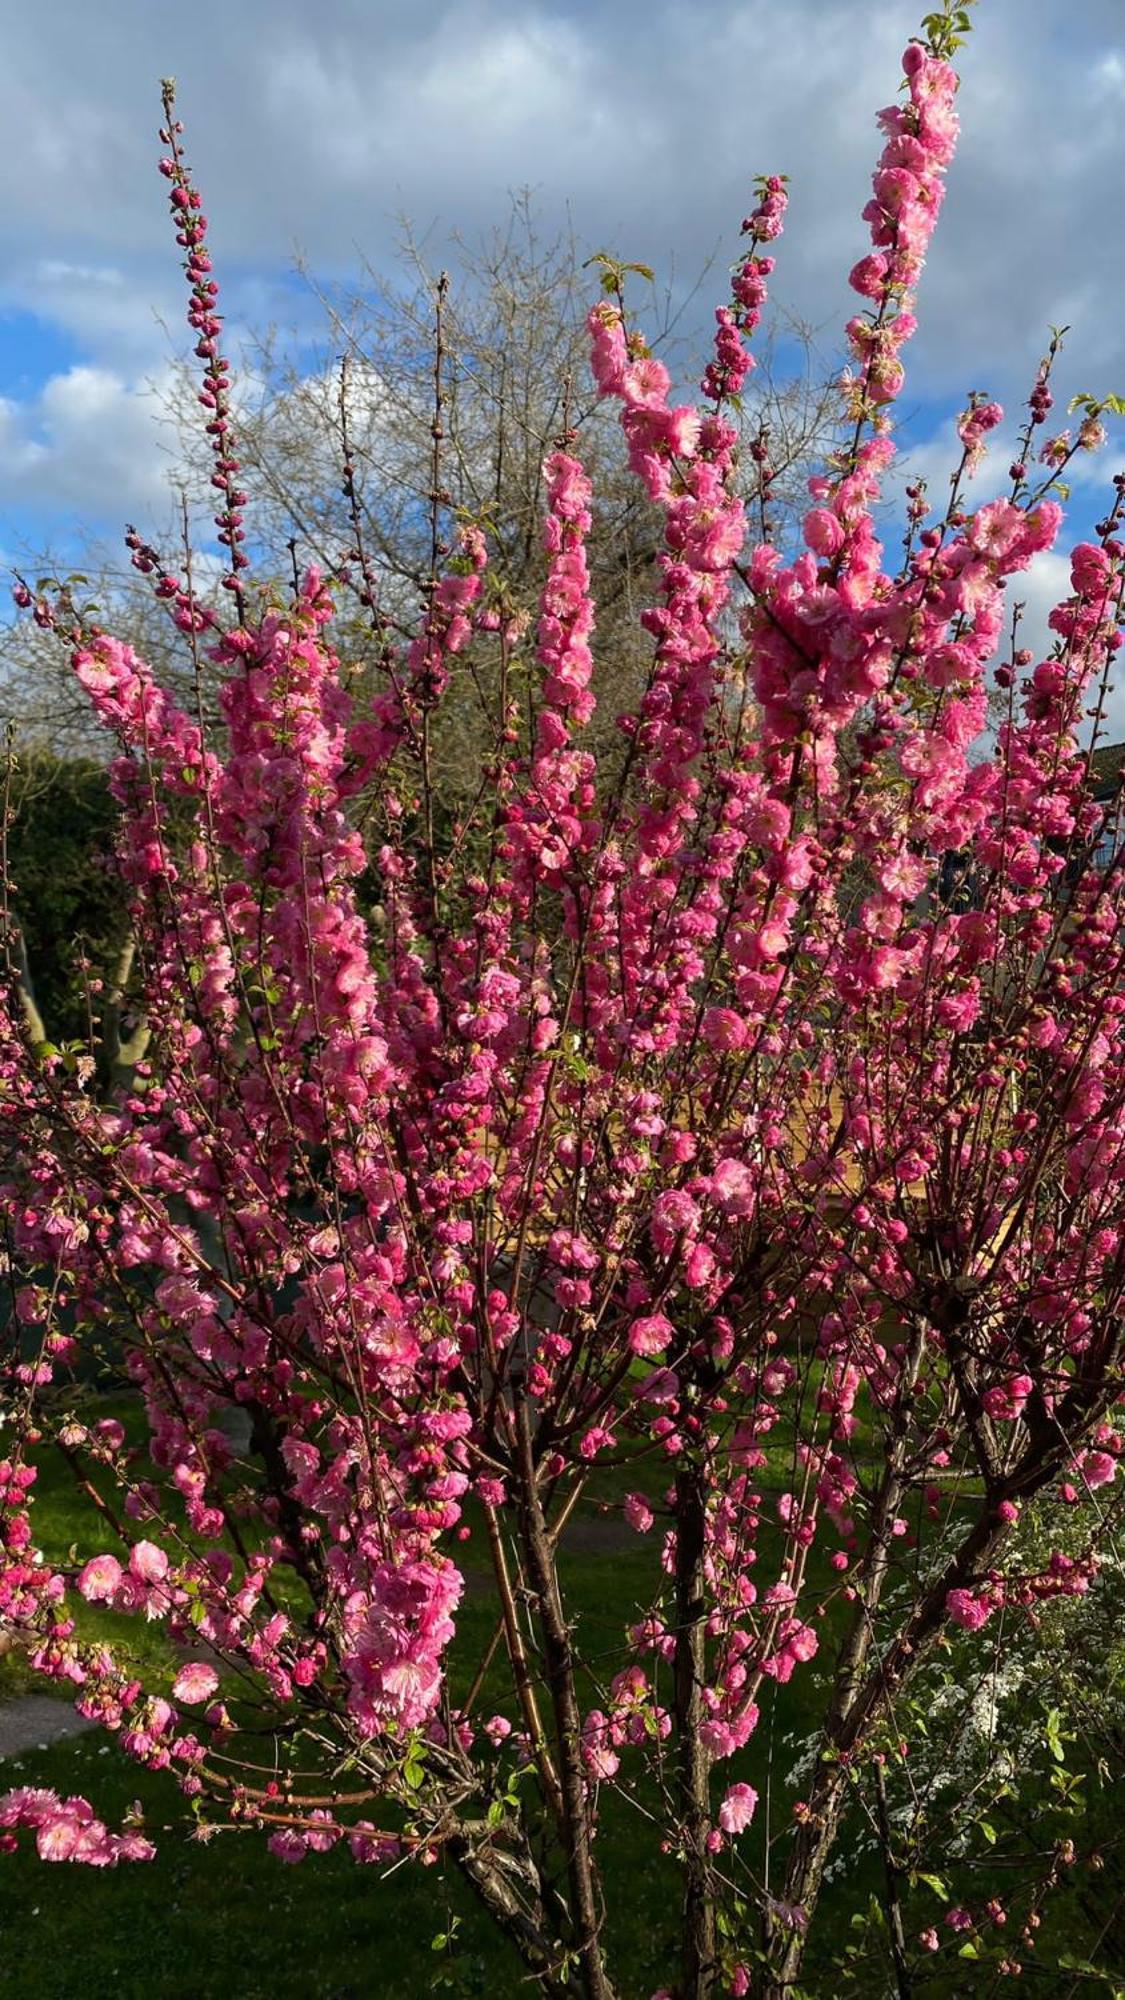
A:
<point x="35" y="1720"/>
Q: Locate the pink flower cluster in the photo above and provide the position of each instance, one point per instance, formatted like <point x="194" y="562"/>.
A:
<point x="726" y="374"/>
<point x="67" y="1830"/>
<point x="908" y="187"/>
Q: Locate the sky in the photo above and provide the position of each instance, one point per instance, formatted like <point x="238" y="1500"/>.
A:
<point x="311" y="129"/>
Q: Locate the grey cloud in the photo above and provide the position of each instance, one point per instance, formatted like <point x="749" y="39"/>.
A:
<point x="313" y="129"/>
<point x="86" y="445"/>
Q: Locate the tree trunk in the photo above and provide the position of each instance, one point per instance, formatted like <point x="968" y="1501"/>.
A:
<point x="508" y="1886"/>
<point x="855" y="1710"/>
<point x="558" y="1661"/>
<point x="699" y="1947"/>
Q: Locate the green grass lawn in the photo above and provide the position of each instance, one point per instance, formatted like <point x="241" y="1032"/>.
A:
<point x="203" y="1923"/>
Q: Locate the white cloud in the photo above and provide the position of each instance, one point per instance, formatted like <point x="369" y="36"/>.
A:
<point x="1108" y="75"/>
<point x="314" y="128"/>
<point x="527" y="91"/>
<point x="117" y="316"/>
<point x="1088" y="475"/>
<point x="86" y="444"/>
<point x="1041" y="586"/>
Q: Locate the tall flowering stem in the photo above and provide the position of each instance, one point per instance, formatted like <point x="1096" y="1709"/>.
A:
<point x="206" y="323"/>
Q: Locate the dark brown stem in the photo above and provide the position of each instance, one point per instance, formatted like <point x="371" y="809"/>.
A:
<point x="852" y="1695"/>
<point x="891" y="1876"/>
<point x="559" y="1668"/>
<point x="509" y="1888"/>
<point x="118" y="1058"/>
<point x="693" y="1763"/>
<point x="437" y="433"/>
<point x="521" y="1669"/>
<point x="863" y="1699"/>
<point x="32" y="1018"/>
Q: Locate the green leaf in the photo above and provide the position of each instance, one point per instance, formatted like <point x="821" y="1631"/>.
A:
<point x="576" y="1064"/>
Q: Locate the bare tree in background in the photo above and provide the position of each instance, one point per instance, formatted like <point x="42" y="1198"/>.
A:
<point x="338" y="453"/>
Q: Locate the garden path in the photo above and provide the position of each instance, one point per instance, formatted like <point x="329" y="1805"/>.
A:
<point x="33" y="1721"/>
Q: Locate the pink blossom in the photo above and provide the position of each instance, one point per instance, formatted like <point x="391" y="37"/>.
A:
<point x="646" y="382"/>
<point x="370" y="1846"/>
<point x="722" y="1028"/>
<point x="1090" y="570"/>
<point x="823" y="532"/>
<point x="638" y="1513"/>
<point x="57" y="1839"/>
<point x="968" y="1609"/>
<point x="651" y="1334"/>
<point x="673" y="1217"/>
<point x="100" y="1579"/>
<point x="288" y="1844"/>
<point x="195" y="1682"/>
<point x="737" y="1808"/>
<point x="148" y="1563"/>
<point x="1098" y="1468"/>
<point x="733" y="1187"/>
<point x="996" y="528"/>
<point x="1005" y="1400"/>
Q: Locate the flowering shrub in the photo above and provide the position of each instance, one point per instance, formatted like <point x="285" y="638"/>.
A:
<point x="675" y="1147"/>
